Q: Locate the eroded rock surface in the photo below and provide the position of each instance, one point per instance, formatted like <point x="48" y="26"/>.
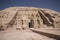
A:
<point x="28" y="17"/>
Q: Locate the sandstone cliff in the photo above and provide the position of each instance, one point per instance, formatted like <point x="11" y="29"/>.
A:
<point x="28" y="17"/>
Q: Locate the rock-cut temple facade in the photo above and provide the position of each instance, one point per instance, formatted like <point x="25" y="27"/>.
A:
<point x="28" y="17"/>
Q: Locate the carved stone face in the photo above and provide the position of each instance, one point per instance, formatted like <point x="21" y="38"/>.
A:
<point x="24" y="17"/>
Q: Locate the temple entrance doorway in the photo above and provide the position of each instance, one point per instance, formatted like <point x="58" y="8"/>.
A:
<point x="31" y="24"/>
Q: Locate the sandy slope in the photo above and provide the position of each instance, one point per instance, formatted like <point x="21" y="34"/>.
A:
<point x="22" y="35"/>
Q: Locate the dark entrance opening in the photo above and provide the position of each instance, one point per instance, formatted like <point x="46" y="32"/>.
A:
<point x="31" y="24"/>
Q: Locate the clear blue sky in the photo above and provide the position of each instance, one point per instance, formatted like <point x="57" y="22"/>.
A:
<point x="51" y="4"/>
